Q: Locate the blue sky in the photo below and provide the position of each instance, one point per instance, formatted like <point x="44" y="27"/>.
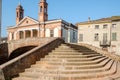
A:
<point x="72" y="11"/>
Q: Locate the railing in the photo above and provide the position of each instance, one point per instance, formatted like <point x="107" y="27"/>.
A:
<point x="100" y="51"/>
<point x="105" y="44"/>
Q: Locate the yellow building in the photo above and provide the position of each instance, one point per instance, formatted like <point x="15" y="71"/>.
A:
<point x="102" y="33"/>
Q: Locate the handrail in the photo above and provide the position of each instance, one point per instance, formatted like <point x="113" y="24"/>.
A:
<point x="17" y="65"/>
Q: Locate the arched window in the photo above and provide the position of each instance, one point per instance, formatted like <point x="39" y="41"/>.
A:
<point x="40" y="8"/>
<point x="45" y="10"/>
<point x="17" y="14"/>
<point x="21" y="15"/>
<point x="51" y="33"/>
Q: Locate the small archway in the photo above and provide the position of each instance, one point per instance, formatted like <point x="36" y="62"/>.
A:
<point x="20" y="51"/>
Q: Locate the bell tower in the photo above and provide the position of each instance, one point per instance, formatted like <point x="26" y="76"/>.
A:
<point x="19" y="13"/>
<point x="43" y="13"/>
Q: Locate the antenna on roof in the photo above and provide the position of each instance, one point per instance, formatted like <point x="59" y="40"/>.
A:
<point x="89" y="20"/>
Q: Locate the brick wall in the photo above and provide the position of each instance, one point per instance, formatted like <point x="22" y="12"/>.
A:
<point x="17" y="65"/>
<point x="3" y="52"/>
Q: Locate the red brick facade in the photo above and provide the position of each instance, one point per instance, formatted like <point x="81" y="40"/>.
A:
<point x="27" y="27"/>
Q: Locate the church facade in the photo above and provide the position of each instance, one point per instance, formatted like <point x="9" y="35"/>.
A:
<point x="27" y="27"/>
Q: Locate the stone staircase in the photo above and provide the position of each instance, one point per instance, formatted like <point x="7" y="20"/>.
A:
<point x="68" y="62"/>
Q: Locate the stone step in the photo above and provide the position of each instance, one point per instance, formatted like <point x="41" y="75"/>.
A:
<point x="105" y="68"/>
<point x="65" y="62"/>
<point x="70" y="62"/>
<point x="68" y="50"/>
<point x="70" y="56"/>
<point x="23" y="78"/>
<point x="56" y="78"/>
<point x="117" y="75"/>
<point x="79" y="66"/>
<point x="72" y="59"/>
<point x="73" y="76"/>
<point x="70" y="70"/>
<point x="72" y="53"/>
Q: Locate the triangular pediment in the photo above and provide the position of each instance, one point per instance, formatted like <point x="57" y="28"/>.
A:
<point x="27" y="21"/>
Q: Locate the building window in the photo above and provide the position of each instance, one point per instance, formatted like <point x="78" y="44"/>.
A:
<point x="105" y="26"/>
<point x="114" y="36"/>
<point x="12" y="36"/>
<point x="96" y="26"/>
<point x="40" y="8"/>
<point x="73" y="35"/>
<point x="96" y="37"/>
<point x="51" y="33"/>
<point x="21" y="35"/>
<point x="17" y="14"/>
<point x="45" y="10"/>
<point x="21" y="15"/>
<point x="27" y="34"/>
<point x="113" y="25"/>
<point x="80" y="37"/>
<point x="104" y="37"/>
<point x="35" y="33"/>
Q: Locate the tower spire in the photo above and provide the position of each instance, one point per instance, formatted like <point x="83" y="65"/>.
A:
<point x="43" y="14"/>
<point x="19" y="13"/>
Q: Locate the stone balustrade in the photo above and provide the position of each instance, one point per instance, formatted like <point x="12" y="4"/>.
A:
<point x="103" y="52"/>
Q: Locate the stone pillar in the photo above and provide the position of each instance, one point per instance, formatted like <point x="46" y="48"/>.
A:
<point x="31" y="33"/>
<point x="17" y="35"/>
<point x="24" y="35"/>
<point x="38" y="33"/>
<point x="44" y="31"/>
<point x="10" y="36"/>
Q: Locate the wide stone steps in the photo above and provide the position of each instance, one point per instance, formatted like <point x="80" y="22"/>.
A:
<point x="104" y="68"/>
<point x="66" y="62"/>
<point x="71" y="53"/>
<point x="73" y="59"/>
<point x="69" y="70"/>
<point x="70" y="56"/>
<point x="74" y="75"/>
<point x="70" y="63"/>
<point x="67" y="50"/>
<point x="79" y="66"/>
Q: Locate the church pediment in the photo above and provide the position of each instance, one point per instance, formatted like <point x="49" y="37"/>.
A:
<point x="27" y="21"/>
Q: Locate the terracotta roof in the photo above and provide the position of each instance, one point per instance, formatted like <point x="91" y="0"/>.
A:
<point x="102" y="20"/>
